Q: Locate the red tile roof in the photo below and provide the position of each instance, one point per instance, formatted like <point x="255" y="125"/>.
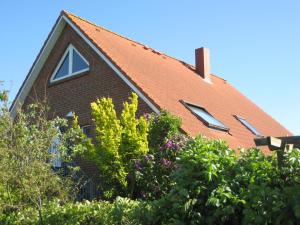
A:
<point x="166" y="80"/>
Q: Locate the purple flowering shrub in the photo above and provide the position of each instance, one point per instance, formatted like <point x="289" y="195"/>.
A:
<point x="152" y="172"/>
<point x="161" y="128"/>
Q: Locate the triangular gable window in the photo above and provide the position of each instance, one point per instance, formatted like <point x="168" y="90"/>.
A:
<point x="71" y="64"/>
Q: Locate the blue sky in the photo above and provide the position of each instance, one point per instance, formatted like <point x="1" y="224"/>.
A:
<point x="255" y="45"/>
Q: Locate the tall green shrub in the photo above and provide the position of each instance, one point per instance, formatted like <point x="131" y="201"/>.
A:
<point x="162" y="127"/>
<point x="27" y="178"/>
<point x="134" y="143"/>
<point x="118" y="143"/>
<point x="153" y="171"/>
<point x="106" y="152"/>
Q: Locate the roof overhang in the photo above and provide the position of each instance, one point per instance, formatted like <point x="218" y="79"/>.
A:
<point x="39" y="62"/>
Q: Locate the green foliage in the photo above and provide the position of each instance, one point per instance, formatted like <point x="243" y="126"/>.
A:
<point x="180" y="180"/>
<point x="121" y="211"/>
<point x="3" y="95"/>
<point x="211" y="185"/>
<point x="26" y="175"/>
<point x="106" y="152"/>
<point x="214" y="186"/>
<point x="118" y="143"/>
<point x="202" y="193"/>
<point x="161" y="128"/>
<point x="153" y="171"/>
<point x="74" y="143"/>
<point x="134" y="142"/>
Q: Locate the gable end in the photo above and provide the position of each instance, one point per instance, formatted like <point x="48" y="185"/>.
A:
<point x="44" y="53"/>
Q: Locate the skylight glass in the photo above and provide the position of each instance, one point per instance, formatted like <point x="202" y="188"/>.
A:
<point x="71" y="63"/>
<point x="249" y="126"/>
<point x="207" y="118"/>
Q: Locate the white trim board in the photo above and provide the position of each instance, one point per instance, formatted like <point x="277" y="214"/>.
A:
<point x="37" y="66"/>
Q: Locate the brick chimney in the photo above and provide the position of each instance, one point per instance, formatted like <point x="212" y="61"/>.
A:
<point x="203" y="63"/>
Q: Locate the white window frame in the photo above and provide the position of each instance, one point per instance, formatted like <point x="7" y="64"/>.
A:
<point x="69" y="50"/>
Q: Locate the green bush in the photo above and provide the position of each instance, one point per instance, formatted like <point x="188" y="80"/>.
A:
<point x="161" y="128"/>
<point x="210" y="184"/>
<point x="117" y="143"/>
<point x="27" y="176"/>
<point x="153" y="171"/>
<point x="121" y="211"/>
<point x="178" y="179"/>
<point x="215" y="186"/>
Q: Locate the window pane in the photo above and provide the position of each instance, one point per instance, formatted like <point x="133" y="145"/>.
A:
<point x="87" y="131"/>
<point x="55" y="156"/>
<point x="249" y="126"/>
<point x="78" y="62"/>
<point x="207" y="117"/>
<point x="63" y="69"/>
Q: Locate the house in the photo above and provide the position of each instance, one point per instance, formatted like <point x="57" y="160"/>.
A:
<point x="80" y="62"/>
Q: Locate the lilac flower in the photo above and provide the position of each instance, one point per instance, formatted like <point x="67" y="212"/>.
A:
<point x="143" y="194"/>
<point x="147" y="116"/>
<point x="138" y="164"/>
<point x="169" y="144"/>
<point x="166" y="163"/>
<point x="149" y="157"/>
<point x="177" y="147"/>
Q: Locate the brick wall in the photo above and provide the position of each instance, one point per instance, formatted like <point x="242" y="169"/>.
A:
<point x="76" y="93"/>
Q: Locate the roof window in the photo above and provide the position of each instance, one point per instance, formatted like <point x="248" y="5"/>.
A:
<point x="206" y="117"/>
<point x="248" y="125"/>
<point x="72" y="63"/>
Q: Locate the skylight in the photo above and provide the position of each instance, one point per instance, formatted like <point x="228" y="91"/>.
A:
<point x="206" y="117"/>
<point x="248" y="125"/>
<point x="71" y="64"/>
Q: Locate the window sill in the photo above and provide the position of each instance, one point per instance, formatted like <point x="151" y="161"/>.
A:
<point x="54" y="83"/>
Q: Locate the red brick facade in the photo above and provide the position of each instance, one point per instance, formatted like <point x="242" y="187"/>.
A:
<point x="76" y="93"/>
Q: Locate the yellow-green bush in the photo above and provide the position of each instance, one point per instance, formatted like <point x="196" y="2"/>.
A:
<point x="118" y="142"/>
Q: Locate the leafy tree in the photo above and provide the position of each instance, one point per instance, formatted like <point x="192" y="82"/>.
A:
<point x="3" y="95"/>
<point x="27" y="177"/>
<point x="106" y="153"/>
<point x="134" y="142"/>
<point x="118" y="142"/>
